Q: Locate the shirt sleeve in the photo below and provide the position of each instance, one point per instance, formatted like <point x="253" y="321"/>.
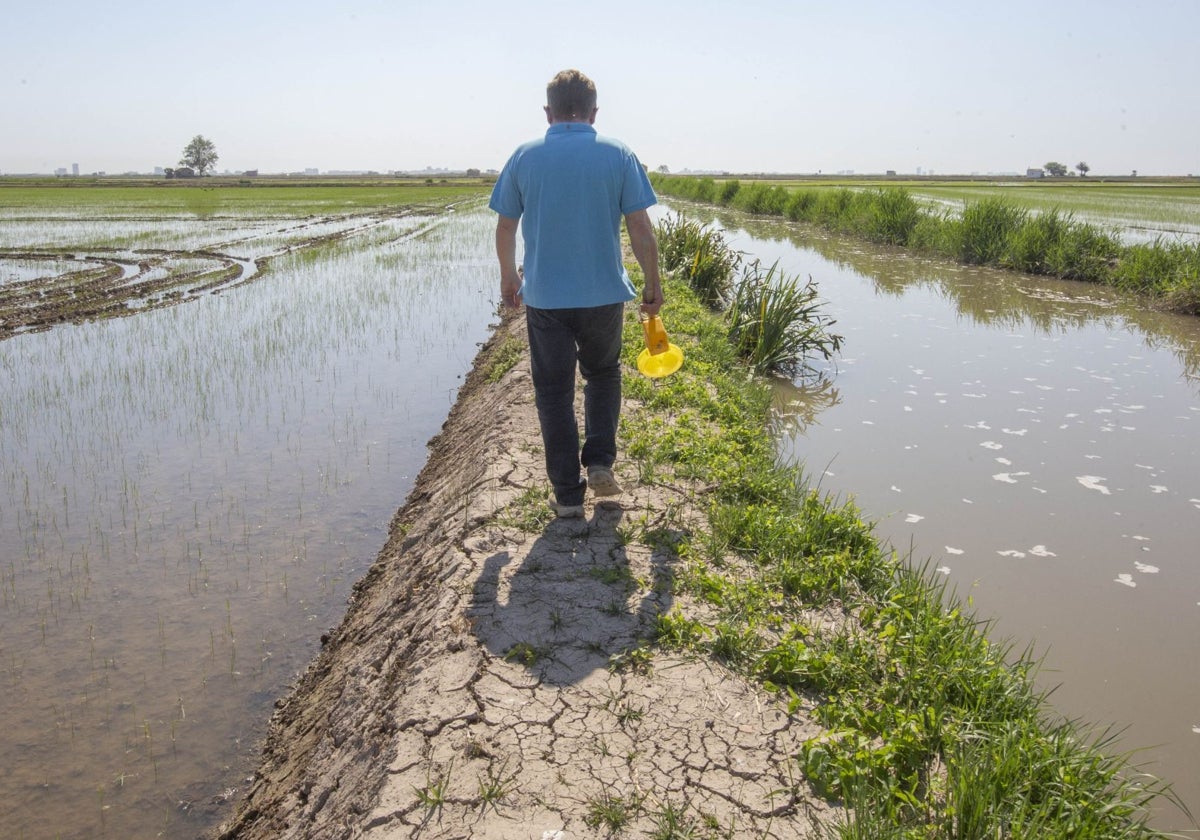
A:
<point x="506" y="197"/>
<point x="636" y="192"/>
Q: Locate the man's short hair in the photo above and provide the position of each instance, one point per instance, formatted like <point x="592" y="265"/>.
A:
<point x="571" y="94"/>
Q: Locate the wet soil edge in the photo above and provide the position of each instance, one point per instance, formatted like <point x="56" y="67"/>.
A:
<point x="325" y="754"/>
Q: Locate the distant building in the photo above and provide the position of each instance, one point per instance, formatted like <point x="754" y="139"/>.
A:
<point x="250" y="173"/>
<point x="1035" y="173"/>
<point x="61" y="171"/>
<point x="75" y="169"/>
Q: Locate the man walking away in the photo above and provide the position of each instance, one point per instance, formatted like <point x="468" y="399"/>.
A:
<point x="568" y="192"/>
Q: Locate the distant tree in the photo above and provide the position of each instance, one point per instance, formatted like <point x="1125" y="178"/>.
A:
<point x="1083" y="168"/>
<point x="200" y="154"/>
<point x="472" y="173"/>
<point x="1055" y="168"/>
<point x="664" y="169"/>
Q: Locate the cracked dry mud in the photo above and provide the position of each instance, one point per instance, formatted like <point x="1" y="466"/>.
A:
<point x="471" y="689"/>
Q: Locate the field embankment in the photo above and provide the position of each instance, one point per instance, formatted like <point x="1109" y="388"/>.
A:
<point x="990" y="230"/>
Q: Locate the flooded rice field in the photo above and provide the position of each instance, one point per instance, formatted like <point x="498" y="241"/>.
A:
<point x="1036" y="443"/>
<point x="188" y="494"/>
<point x="1136" y="214"/>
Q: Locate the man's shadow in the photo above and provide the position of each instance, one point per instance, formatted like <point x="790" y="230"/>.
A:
<point x="577" y="603"/>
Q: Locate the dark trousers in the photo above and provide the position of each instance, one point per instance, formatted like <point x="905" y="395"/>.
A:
<point x="558" y="340"/>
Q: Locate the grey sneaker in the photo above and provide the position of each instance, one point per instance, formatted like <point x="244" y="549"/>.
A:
<point x="602" y="481"/>
<point x="567" y="511"/>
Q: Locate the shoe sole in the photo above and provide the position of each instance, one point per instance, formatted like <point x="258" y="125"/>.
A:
<point x="603" y="483"/>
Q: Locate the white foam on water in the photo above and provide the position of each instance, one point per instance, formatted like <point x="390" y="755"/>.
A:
<point x="1041" y="551"/>
<point x="1004" y="461"/>
<point x="913" y="518"/>
<point x="943" y="569"/>
<point x="951" y="550"/>
<point x="1017" y="432"/>
<point x="1146" y="568"/>
<point x="1094" y="457"/>
<point x="868" y="422"/>
<point x="1195" y="503"/>
<point x="908" y="408"/>
<point x="976" y="396"/>
<point x="1157" y="488"/>
<point x="1008" y="478"/>
<point x="1092" y="482"/>
<point x="991" y="444"/>
<point x="1011" y="552"/>
<point x="1125" y="580"/>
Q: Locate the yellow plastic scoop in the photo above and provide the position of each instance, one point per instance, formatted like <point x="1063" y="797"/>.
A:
<point x="661" y="357"/>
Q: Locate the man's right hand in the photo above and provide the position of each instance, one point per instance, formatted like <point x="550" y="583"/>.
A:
<point x="510" y="289"/>
<point x="652" y="299"/>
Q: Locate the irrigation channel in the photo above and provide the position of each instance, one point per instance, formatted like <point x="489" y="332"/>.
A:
<point x="1036" y="442"/>
<point x="188" y="494"/>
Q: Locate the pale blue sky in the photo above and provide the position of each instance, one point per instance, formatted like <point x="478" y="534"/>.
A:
<point x="753" y="85"/>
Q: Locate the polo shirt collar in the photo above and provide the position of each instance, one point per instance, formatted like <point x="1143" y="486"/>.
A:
<point x="570" y="128"/>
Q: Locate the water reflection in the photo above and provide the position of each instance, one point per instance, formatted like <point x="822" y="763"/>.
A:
<point x="1037" y="442"/>
<point x="986" y="296"/>
<point x="186" y="496"/>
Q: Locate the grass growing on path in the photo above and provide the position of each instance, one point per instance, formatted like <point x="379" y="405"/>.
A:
<point x="933" y="730"/>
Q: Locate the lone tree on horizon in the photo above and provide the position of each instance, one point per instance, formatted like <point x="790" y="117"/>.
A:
<point x="1083" y="169"/>
<point x="1055" y="168"/>
<point x="200" y="154"/>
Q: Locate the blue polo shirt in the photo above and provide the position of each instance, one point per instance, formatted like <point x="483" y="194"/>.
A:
<point x="570" y="190"/>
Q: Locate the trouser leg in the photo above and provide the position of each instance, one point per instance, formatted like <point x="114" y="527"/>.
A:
<point x="599" y="333"/>
<point x="553" y="355"/>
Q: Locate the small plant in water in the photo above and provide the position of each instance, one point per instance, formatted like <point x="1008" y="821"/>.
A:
<point x="775" y="321"/>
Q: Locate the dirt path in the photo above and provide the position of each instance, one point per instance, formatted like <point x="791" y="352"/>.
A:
<point x="487" y="680"/>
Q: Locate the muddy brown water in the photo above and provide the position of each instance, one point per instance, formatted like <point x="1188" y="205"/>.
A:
<point x="1037" y="443"/>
